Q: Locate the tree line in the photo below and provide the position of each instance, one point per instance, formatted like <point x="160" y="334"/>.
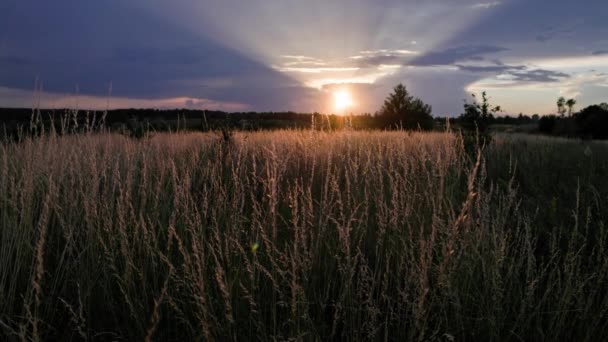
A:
<point x="589" y="123"/>
<point x="400" y="110"/>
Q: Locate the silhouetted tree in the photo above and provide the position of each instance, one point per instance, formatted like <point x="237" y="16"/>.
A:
<point x="476" y="120"/>
<point x="478" y="115"/>
<point x="570" y="103"/>
<point x="561" y="106"/>
<point x="400" y="109"/>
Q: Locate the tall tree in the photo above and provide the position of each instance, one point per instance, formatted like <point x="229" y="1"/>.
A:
<point x="570" y="103"/>
<point x="401" y="110"/>
<point x="561" y="106"/>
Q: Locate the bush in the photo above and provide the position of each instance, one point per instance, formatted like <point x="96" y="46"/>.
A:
<point x="546" y="124"/>
<point x="593" y="122"/>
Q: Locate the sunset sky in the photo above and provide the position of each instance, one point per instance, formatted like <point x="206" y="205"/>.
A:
<point x="276" y="55"/>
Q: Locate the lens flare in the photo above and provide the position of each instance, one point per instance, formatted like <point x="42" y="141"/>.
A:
<point x="343" y="100"/>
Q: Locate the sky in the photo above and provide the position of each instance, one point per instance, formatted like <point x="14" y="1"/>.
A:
<point x="280" y="55"/>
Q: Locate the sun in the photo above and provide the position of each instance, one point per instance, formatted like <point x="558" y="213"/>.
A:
<point x="342" y="100"/>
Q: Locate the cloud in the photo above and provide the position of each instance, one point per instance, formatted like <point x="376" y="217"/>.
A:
<point x="299" y="57"/>
<point x="576" y="85"/>
<point x="23" y="99"/>
<point x="376" y="61"/>
<point x="302" y="61"/>
<point x="563" y="30"/>
<point x="538" y="75"/>
<point x="498" y="68"/>
<point x="486" y="5"/>
<point x="391" y="52"/>
<point x="316" y="70"/>
<point x="200" y="50"/>
<point x="145" y="59"/>
<point x="457" y="54"/>
<point x="519" y="73"/>
<point x="380" y="57"/>
<point x="543" y="38"/>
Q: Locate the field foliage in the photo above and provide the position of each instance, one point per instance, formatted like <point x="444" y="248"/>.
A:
<point x="302" y="235"/>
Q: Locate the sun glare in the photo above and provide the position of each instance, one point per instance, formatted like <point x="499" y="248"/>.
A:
<point x="342" y="100"/>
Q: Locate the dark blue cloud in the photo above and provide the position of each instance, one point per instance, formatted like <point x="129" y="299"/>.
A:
<point x="518" y="22"/>
<point x="90" y="44"/>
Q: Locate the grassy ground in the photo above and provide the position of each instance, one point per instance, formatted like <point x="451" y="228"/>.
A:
<point x="303" y="235"/>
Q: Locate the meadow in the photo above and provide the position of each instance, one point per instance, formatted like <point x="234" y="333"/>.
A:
<point x="303" y="235"/>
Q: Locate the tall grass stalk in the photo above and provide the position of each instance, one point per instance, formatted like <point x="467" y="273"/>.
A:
<point x="306" y="235"/>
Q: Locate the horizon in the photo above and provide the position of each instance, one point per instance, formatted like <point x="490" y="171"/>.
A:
<point x="216" y="56"/>
<point x="500" y="114"/>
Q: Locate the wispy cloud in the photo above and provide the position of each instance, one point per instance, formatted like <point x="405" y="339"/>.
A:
<point x="302" y="61"/>
<point x="383" y="57"/>
<point x="402" y="52"/>
<point x="486" y="5"/>
<point x="573" y="87"/>
<point x="301" y="58"/>
<point x="368" y="78"/>
<point x="316" y="70"/>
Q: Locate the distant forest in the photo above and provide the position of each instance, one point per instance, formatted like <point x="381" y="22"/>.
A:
<point x="399" y="111"/>
<point x="591" y="122"/>
<point x="187" y="119"/>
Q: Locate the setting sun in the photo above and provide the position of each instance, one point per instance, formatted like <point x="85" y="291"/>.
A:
<point x="342" y="100"/>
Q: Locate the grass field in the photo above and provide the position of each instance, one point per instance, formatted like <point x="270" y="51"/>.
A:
<point x="303" y="235"/>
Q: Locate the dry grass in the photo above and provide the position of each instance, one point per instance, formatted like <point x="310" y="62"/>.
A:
<point x="302" y="235"/>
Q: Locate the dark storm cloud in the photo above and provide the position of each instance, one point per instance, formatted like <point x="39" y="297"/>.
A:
<point x="456" y="54"/>
<point x="600" y="53"/>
